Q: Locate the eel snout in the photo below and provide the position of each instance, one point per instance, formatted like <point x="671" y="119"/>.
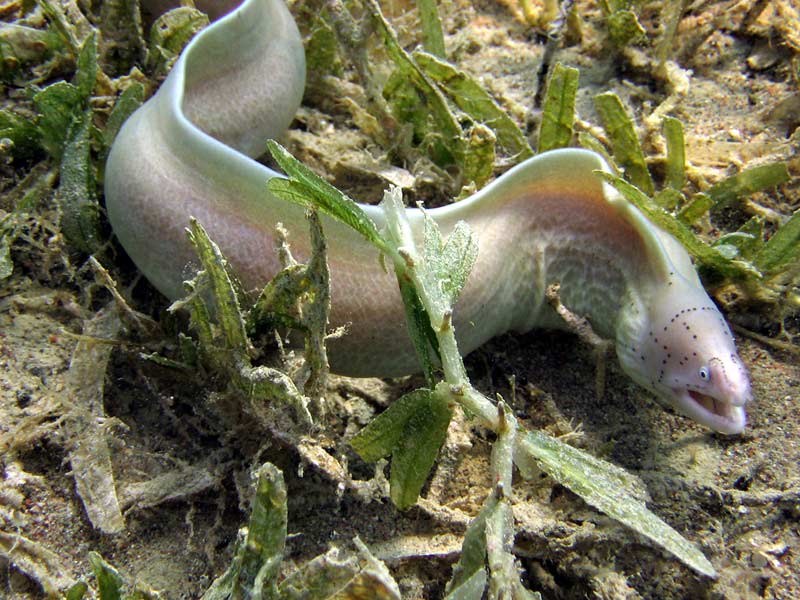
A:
<point x="719" y="397"/>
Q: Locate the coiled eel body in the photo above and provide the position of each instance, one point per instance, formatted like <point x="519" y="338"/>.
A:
<point x="188" y="152"/>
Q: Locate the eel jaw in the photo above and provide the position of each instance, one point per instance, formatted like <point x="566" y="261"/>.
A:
<point x="719" y="415"/>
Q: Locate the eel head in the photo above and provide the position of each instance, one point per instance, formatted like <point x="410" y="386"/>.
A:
<point x="688" y="357"/>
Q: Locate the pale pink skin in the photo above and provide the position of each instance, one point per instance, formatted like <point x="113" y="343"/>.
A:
<point x="550" y="219"/>
<point x="688" y="357"/>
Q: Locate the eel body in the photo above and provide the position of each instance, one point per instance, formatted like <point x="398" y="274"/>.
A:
<point x="188" y="152"/>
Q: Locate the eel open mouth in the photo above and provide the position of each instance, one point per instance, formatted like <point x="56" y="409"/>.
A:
<point x="717" y="414"/>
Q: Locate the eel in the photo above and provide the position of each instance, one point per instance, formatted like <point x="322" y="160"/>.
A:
<point x="189" y="151"/>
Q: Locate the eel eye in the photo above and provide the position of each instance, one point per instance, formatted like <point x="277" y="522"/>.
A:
<point x="704" y="373"/>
